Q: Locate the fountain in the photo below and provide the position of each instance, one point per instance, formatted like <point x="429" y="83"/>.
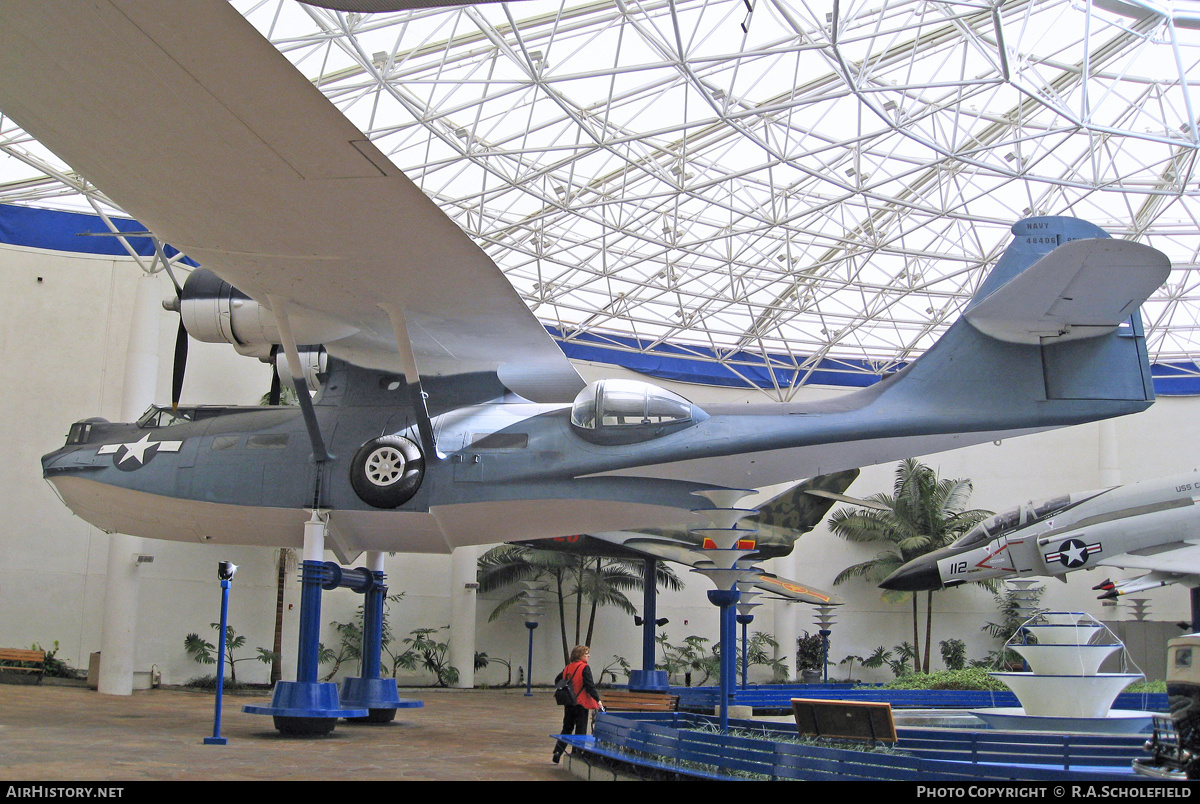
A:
<point x="1064" y="689"/>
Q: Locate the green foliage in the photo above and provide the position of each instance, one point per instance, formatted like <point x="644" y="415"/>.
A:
<point x="922" y="514"/>
<point x="695" y="655"/>
<point x="1147" y="686"/>
<point x="205" y="652"/>
<point x="424" y="650"/>
<point x="618" y="661"/>
<point x="1014" y="606"/>
<point x="580" y="584"/>
<point x="810" y="652"/>
<point x="897" y="662"/>
<point x="350" y="646"/>
<point x="55" y="667"/>
<point x="692" y="656"/>
<point x="954" y="653"/>
<point x="972" y="678"/>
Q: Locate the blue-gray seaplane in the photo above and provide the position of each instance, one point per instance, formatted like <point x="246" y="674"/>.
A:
<point x="446" y="415"/>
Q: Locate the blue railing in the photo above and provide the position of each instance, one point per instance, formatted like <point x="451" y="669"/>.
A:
<point x="688" y="745"/>
<point x="778" y="697"/>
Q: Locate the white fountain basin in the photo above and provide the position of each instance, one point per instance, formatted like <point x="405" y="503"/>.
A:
<point x="1013" y="718"/>
<point x="1067" y="696"/>
<point x="1061" y="634"/>
<point x="1065" y="660"/>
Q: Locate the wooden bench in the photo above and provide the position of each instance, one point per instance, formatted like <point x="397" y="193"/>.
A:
<point x="631" y="701"/>
<point x="845" y="720"/>
<point x="18" y="660"/>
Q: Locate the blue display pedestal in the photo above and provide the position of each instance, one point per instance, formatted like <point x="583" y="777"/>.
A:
<point x="305" y="707"/>
<point x="378" y="696"/>
<point x="649" y="680"/>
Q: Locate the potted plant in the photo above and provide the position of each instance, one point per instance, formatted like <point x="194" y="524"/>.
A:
<point x="810" y="658"/>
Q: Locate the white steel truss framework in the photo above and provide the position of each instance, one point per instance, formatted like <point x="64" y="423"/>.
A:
<point x="762" y="182"/>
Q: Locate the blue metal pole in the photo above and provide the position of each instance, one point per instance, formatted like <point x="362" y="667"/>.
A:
<point x="825" y="632"/>
<point x="216" y="738"/>
<point x="372" y="647"/>
<point x="726" y="599"/>
<point x="649" y="614"/>
<point x="745" y="620"/>
<point x="312" y="575"/>
<point x="529" y="662"/>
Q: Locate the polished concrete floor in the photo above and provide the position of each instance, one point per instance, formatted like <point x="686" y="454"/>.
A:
<point x="56" y="734"/>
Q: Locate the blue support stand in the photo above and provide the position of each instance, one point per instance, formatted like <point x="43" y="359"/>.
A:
<point x="530" y="624"/>
<point x="216" y="738"/>
<point x="726" y="599"/>
<point x="745" y="620"/>
<point x="307" y="707"/>
<point x="649" y="679"/>
<point x="379" y="696"/>
<point x="825" y="632"/>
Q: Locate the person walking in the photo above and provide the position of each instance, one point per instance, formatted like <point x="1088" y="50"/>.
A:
<point x="586" y="697"/>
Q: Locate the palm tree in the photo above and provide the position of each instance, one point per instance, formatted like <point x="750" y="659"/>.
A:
<point x="589" y="581"/>
<point x="923" y="514"/>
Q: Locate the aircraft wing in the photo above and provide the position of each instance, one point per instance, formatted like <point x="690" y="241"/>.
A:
<point x="1179" y="558"/>
<point x="767" y="582"/>
<point x="185" y="116"/>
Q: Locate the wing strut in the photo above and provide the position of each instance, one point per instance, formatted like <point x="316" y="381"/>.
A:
<point x="412" y="377"/>
<point x="279" y="308"/>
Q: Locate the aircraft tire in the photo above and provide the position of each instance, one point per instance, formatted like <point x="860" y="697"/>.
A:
<point x="387" y="471"/>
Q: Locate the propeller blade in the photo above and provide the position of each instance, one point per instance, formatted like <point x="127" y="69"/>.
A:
<point x="276" y="386"/>
<point x="181" y="351"/>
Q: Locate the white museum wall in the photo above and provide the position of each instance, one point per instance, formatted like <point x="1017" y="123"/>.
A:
<point x="65" y="325"/>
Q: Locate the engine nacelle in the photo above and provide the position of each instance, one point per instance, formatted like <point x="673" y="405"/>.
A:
<point x="314" y="362"/>
<point x="214" y="311"/>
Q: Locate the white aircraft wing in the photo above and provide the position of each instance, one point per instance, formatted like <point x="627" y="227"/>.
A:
<point x="194" y="124"/>
<point x="1180" y="558"/>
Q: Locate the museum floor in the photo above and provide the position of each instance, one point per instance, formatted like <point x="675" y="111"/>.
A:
<point x="53" y="733"/>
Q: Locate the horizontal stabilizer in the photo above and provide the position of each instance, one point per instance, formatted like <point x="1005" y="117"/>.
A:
<point x="1081" y="289"/>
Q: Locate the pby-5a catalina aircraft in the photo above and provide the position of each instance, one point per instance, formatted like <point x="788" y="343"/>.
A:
<point x="447" y="415"/>
<point x="1152" y="526"/>
<point x="772" y="530"/>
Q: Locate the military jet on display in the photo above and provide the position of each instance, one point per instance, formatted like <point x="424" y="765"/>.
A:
<point x="447" y="415"/>
<point x="1152" y="526"/>
<point x="772" y="528"/>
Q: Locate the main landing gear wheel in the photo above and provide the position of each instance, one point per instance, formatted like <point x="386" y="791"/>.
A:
<point x="387" y="471"/>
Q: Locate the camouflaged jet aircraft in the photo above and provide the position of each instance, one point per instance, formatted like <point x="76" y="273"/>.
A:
<point x="772" y="530"/>
<point x="1152" y="526"/>
<point x="447" y="415"/>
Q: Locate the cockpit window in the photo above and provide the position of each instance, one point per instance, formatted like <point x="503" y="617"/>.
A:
<point x="161" y="416"/>
<point x="1021" y="516"/>
<point x="639" y="409"/>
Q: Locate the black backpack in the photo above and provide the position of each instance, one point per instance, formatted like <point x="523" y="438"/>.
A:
<point x="564" y="692"/>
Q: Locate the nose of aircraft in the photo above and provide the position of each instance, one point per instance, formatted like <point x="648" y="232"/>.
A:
<point x="915" y="576"/>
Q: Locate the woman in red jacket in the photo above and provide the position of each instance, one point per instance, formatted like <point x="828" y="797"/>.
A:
<point x="587" y="697"/>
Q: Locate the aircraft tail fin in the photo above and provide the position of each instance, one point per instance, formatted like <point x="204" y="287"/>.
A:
<point x="1052" y="337"/>
<point x="795" y="509"/>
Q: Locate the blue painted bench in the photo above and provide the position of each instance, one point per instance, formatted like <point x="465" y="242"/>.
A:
<point x="658" y="741"/>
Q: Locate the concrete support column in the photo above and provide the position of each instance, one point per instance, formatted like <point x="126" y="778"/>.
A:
<point x="461" y="653"/>
<point x="118" y="640"/>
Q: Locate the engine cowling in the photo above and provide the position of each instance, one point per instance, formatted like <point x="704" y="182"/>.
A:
<point x="214" y="311"/>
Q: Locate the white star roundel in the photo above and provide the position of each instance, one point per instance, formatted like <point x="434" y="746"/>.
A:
<point x="136" y="454"/>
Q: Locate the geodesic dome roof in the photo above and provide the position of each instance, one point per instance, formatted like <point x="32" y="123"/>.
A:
<point x="761" y="184"/>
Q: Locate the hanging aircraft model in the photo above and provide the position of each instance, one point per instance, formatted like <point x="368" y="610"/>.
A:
<point x="1152" y="526"/>
<point x="772" y="529"/>
<point x="446" y="413"/>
